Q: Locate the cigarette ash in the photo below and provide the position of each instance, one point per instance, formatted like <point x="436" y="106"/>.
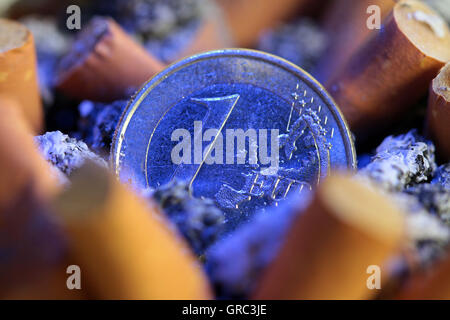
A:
<point x="442" y="176"/>
<point x="402" y="161"/>
<point x="404" y="167"/>
<point x="98" y="122"/>
<point x="301" y="42"/>
<point x="86" y="41"/>
<point x="429" y="235"/>
<point x="65" y="153"/>
<point x="434" y="198"/>
<point x="165" y="27"/>
<point x="198" y="220"/>
<point x="236" y="262"/>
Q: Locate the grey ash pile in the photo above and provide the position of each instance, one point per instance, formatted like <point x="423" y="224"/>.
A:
<point x="434" y="197"/>
<point x="98" y="122"/>
<point x="442" y="176"/>
<point x="404" y="167"/>
<point x="65" y="153"/>
<point x="199" y="220"/>
<point x="402" y="161"/>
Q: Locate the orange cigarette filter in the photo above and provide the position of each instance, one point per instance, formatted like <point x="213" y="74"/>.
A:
<point x="429" y="285"/>
<point x="105" y="64"/>
<point x="393" y="69"/>
<point x="125" y="248"/>
<point x="438" y="117"/>
<point x="347" y="228"/>
<point x="246" y="19"/>
<point x="346" y="23"/>
<point x="18" y="73"/>
<point x="20" y="161"/>
<point x="26" y="183"/>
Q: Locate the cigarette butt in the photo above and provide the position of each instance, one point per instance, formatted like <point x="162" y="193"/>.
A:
<point x="326" y="255"/>
<point x="393" y="69"/>
<point x="438" y="117"/>
<point x="29" y="242"/>
<point x="18" y="74"/>
<point x="125" y="248"/>
<point x="432" y="284"/>
<point x="246" y="19"/>
<point x="346" y="24"/>
<point x="20" y="161"/>
<point x="105" y="64"/>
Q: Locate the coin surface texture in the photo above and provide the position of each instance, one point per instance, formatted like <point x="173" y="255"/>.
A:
<point x="241" y="127"/>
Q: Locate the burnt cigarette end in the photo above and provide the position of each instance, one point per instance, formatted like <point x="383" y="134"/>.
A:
<point x="424" y="28"/>
<point x="393" y="69"/>
<point x="86" y="42"/>
<point x="94" y="69"/>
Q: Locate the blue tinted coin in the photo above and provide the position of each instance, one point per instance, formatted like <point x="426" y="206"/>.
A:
<point x="244" y="128"/>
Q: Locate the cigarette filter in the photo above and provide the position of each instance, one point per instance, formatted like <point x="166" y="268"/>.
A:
<point x="125" y="248"/>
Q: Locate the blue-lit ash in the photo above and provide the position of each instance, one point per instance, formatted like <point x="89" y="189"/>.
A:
<point x="435" y="198"/>
<point x="65" y="153"/>
<point x="98" y="122"/>
<point x="198" y="220"/>
<point x="404" y="167"/>
<point x="402" y="161"/>
<point x="442" y="176"/>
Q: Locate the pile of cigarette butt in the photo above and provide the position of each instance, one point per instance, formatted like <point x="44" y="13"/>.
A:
<point x="62" y="93"/>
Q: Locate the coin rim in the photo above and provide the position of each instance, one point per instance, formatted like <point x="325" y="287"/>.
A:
<point x="140" y="95"/>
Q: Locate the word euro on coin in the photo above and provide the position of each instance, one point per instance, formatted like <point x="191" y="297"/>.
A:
<point x="241" y="127"/>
